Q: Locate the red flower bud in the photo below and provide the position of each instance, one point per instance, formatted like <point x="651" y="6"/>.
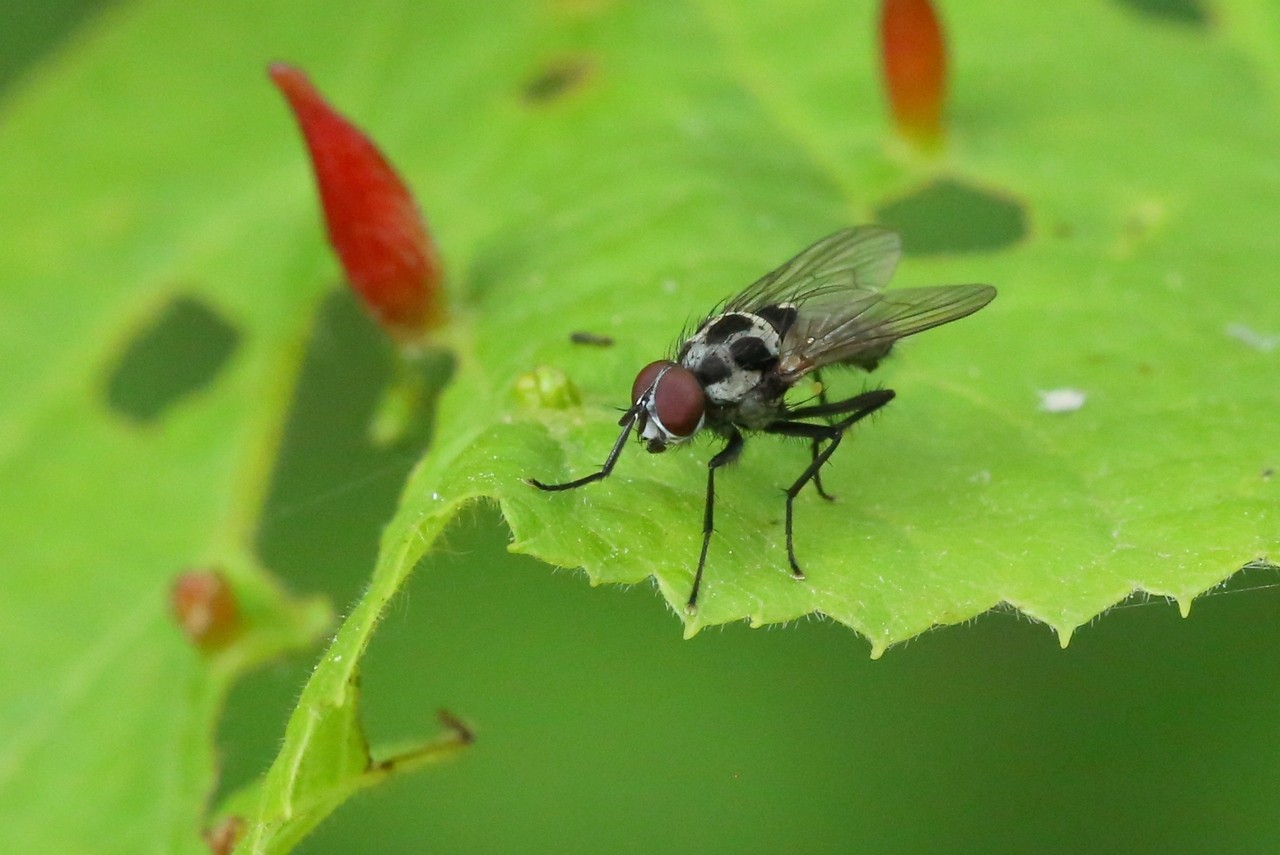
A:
<point x="915" y="68"/>
<point x="373" y="221"/>
<point x="205" y="608"/>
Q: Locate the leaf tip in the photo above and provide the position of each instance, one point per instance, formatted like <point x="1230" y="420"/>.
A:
<point x="460" y="730"/>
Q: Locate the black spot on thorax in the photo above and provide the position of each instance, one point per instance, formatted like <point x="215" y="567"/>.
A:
<point x="779" y="317"/>
<point x="726" y="325"/>
<point x="752" y="354"/>
<point x="712" y="370"/>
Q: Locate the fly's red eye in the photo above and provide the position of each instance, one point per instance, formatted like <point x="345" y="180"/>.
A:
<point x="647" y="375"/>
<point x="679" y="401"/>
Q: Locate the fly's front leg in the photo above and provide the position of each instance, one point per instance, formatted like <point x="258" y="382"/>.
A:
<point x="627" y="423"/>
<point x="728" y="454"/>
<point x="856" y="408"/>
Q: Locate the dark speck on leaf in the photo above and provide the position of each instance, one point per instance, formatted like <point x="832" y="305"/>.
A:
<point x="592" y="339"/>
<point x="556" y="80"/>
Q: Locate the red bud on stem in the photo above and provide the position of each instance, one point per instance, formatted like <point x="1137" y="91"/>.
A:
<point x="222" y="838"/>
<point x="915" y="68"/>
<point x="204" y="607"/>
<point x="372" y="218"/>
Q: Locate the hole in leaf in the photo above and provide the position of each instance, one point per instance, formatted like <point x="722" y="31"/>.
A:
<point x="177" y="355"/>
<point x="557" y="80"/>
<point x="948" y="216"/>
<point x="334" y="487"/>
<point x="1191" y="12"/>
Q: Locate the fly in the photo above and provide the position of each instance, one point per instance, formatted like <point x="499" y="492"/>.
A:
<point x="825" y="307"/>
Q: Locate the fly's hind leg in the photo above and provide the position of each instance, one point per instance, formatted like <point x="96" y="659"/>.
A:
<point x="854" y="409"/>
<point x="813" y="444"/>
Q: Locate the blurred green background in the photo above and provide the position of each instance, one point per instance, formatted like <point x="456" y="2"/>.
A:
<point x="599" y="729"/>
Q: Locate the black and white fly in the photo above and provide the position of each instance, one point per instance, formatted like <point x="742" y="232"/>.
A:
<point x="825" y="307"/>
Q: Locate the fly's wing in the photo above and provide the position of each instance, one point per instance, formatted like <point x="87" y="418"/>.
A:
<point x="860" y="259"/>
<point x="858" y="328"/>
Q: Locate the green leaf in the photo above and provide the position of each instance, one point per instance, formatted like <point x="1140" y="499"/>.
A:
<point x="619" y="168"/>
<point x="116" y="265"/>
<point x="729" y="154"/>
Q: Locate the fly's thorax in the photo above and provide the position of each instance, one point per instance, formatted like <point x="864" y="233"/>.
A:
<point x="733" y="352"/>
<point x="668" y="403"/>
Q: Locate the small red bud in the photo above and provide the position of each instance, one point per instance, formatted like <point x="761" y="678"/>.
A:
<point x="205" y="608"/>
<point x="915" y="68"/>
<point x="373" y="221"/>
<point x="222" y="838"/>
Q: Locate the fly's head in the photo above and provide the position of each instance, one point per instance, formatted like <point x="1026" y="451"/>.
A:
<point x="668" y="404"/>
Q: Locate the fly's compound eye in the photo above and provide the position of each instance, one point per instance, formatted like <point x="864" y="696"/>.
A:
<point x="668" y="404"/>
<point x="647" y="376"/>
<point x="679" y="402"/>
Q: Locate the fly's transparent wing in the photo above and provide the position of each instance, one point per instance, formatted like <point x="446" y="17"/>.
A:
<point x="861" y="330"/>
<point x="854" y="261"/>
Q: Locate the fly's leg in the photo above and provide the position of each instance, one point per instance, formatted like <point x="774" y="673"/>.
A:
<point x="728" y="454"/>
<point x="856" y="408"/>
<point x="813" y="444"/>
<point x="627" y="422"/>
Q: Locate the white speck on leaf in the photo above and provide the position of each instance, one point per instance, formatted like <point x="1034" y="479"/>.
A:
<point x="1258" y="341"/>
<point x="1061" y="400"/>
